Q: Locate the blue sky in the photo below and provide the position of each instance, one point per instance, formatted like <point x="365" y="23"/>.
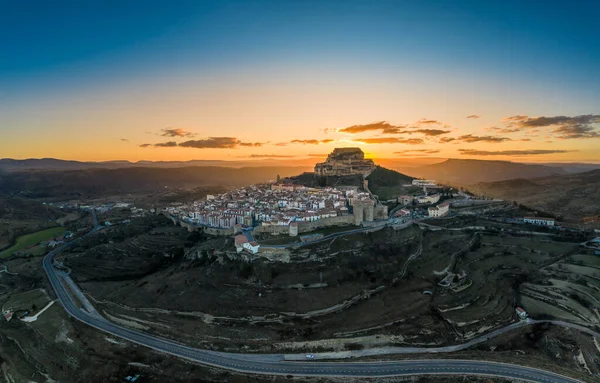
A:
<point x="542" y="54"/>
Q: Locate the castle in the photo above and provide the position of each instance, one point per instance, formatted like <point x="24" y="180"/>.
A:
<point x="344" y="162"/>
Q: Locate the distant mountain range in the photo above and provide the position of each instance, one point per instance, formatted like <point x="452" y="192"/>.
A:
<point x="574" y="197"/>
<point x="9" y="164"/>
<point x="451" y="171"/>
<point x="466" y="172"/>
<point x="91" y="183"/>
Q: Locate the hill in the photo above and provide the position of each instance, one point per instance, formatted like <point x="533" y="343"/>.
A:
<point x="574" y="197"/>
<point x="386" y="183"/>
<point x="466" y="172"/>
<point x="10" y="164"/>
<point x="90" y="183"/>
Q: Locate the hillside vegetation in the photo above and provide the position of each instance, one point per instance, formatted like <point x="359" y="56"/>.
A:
<point x="387" y="183"/>
<point x="466" y="172"/>
<point x="102" y="182"/>
<point x="574" y="197"/>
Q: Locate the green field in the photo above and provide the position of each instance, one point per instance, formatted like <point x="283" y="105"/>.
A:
<point x="27" y="240"/>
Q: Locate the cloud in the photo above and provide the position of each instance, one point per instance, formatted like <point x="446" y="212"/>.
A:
<point x="428" y="122"/>
<point x="429" y="132"/>
<point x="473" y="116"/>
<point x="490" y="139"/>
<point x="387" y="128"/>
<point x="169" y="144"/>
<point x="270" y="156"/>
<point x="447" y="139"/>
<point x="311" y="142"/>
<point x="474" y="152"/>
<point x="124" y="139"/>
<point x="565" y="127"/>
<point x="175" y="132"/>
<point x="384" y="126"/>
<point x="206" y="143"/>
<point x="424" y="151"/>
<point x="504" y="130"/>
<point x="566" y="132"/>
<point x="390" y="140"/>
<point x="212" y="143"/>
<point x="317" y="155"/>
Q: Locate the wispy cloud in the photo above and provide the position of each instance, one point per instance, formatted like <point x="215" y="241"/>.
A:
<point x="317" y="155"/>
<point x="311" y="142"/>
<point x="474" y="152"/>
<point x="421" y="151"/>
<point x="491" y="139"/>
<point x="217" y="143"/>
<point x="504" y="130"/>
<point x="270" y="156"/>
<point x="207" y="143"/>
<point x="445" y="140"/>
<point x="124" y="139"/>
<point x="473" y="116"/>
<point x="175" y="132"/>
<point x="429" y="132"/>
<point x="428" y="122"/>
<point x="169" y="144"/>
<point x="390" y="140"/>
<point x="384" y="126"/>
<point x="564" y="127"/>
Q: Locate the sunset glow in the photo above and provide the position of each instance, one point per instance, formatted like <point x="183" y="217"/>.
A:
<point x="281" y="80"/>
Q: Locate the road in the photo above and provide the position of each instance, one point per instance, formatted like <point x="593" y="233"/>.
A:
<point x="279" y="364"/>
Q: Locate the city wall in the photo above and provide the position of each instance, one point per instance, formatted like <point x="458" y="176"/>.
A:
<point x="305" y="227"/>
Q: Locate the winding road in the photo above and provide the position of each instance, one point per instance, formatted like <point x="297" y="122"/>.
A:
<point x="295" y="364"/>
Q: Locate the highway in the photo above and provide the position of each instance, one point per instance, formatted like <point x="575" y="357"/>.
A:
<point x="276" y="364"/>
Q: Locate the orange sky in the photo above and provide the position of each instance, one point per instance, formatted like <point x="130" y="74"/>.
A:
<point x="254" y="119"/>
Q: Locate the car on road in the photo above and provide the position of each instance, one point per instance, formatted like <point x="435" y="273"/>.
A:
<point x="310" y="356"/>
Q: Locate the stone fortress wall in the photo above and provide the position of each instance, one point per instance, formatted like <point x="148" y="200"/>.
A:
<point x="344" y="162"/>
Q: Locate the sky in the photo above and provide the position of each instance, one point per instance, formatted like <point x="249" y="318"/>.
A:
<point x="233" y="80"/>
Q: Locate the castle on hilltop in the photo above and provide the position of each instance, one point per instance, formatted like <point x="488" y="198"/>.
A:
<point x="344" y="162"/>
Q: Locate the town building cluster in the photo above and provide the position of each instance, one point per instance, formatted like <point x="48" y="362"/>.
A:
<point x="268" y="204"/>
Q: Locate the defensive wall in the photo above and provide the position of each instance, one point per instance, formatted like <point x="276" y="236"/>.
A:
<point x="380" y="212"/>
<point x="305" y="227"/>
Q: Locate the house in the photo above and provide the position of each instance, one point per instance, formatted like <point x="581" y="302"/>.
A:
<point x="539" y="221"/>
<point x="402" y="213"/>
<point x="252" y="247"/>
<point x="521" y="313"/>
<point x="433" y="198"/>
<point x="405" y="199"/>
<point x="439" y="210"/>
<point x="240" y="240"/>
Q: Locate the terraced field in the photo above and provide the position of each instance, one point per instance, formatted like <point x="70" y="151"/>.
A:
<point x="568" y="290"/>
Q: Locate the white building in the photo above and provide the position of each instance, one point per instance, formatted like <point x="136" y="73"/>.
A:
<point x="539" y="221"/>
<point x="434" y="198"/>
<point x="252" y="247"/>
<point x="418" y="182"/>
<point x="439" y="210"/>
